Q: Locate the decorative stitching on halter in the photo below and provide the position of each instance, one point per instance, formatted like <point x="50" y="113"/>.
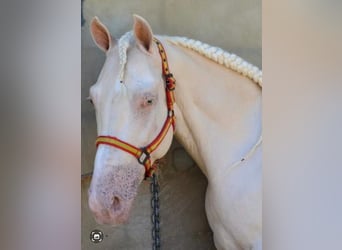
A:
<point x="222" y="57"/>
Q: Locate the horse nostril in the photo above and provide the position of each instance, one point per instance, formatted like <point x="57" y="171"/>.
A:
<point x="116" y="203"/>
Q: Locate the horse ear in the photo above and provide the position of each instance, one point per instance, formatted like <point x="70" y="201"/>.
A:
<point x="101" y="35"/>
<point x="143" y="33"/>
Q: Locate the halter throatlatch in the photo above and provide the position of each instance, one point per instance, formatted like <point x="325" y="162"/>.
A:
<point x="143" y="154"/>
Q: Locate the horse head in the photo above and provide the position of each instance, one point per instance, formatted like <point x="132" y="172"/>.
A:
<point x="130" y="104"/>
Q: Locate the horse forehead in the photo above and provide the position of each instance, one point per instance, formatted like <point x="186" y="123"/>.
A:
<point x="141" y="71"/>
<point x="110" y="68"/>
<point x="137" y="60"/>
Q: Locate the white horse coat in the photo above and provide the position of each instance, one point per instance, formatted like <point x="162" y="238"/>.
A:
<point x="218" y="121"/>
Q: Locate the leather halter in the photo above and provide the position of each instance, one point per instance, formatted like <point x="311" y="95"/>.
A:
<point x="143" y="154"/>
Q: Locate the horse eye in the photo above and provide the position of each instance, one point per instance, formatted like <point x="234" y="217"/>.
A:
<point x="90" y="100"/>
<point x="149" y="101"/>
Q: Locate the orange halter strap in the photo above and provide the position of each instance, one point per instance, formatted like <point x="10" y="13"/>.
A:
<point x="143" y="154"/>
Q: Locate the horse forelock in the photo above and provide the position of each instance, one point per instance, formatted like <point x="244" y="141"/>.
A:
<point x="123" y="45"/>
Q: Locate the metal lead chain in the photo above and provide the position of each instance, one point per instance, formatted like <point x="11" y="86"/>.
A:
<point x="155" y="213"/>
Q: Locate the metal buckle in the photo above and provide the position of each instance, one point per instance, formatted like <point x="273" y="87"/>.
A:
<point x="170" y="82"/>
<point x="169" y="75"/>
<point x="144" y="156"/>
<point x="170" y="113"/>
<point x="170" y="87"/>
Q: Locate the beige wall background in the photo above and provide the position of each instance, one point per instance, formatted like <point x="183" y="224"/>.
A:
<point x="235" y="26"/>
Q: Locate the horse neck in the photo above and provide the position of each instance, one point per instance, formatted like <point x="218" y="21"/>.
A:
<point x="218" y="111"/>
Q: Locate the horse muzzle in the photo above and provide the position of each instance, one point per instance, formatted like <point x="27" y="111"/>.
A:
<point x="111" y="212"/>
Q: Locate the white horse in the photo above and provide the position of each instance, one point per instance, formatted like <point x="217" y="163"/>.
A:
<point x="218" y="121"/>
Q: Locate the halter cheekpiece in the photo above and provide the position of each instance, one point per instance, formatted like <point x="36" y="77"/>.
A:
<point x="143" y="154"/>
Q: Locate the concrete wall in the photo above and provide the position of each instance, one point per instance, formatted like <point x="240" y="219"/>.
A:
<point x="232" y="25"/>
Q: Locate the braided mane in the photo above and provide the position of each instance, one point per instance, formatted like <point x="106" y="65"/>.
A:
<point x="222" y="57"/>
<point x="216" y="54"/>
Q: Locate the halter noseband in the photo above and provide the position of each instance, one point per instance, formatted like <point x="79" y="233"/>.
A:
<point x="143" y="154"/>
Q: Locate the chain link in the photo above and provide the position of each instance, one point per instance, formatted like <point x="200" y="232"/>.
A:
<point x="155" y="213"/>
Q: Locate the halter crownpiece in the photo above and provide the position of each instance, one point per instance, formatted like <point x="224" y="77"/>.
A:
<point x="143" y="154"/>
